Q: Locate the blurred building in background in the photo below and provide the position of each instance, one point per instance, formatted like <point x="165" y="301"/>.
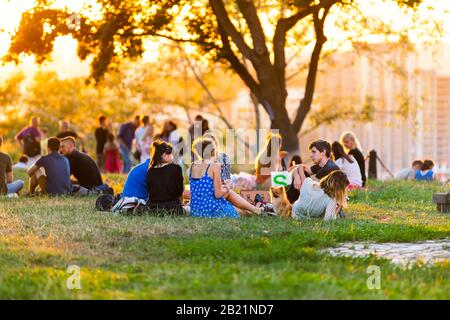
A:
<point x="407" y="93"/>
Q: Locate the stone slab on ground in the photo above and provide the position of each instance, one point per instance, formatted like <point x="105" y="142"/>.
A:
<point x="404" y="254"/>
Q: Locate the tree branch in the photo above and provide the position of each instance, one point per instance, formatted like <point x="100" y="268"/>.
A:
<point x="305" y="103"/>
<point x="279" y="39"/>
<point x="224" y="20"/>
<point x="239" y="68"/>
<point x="248" y="10"/>
<point x="199" y="42"/>
<point x="328" y="119"/>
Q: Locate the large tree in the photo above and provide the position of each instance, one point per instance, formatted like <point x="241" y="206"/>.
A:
<point x="232" y="32"/>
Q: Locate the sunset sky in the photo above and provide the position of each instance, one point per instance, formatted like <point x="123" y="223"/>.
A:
<point x="67" y="64"/>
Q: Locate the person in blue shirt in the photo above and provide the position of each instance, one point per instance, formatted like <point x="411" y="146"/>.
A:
<point x="136" y="183"/>
<point x="125" y="138"/>
<point x="426" y="172"/>
<point x="51" y="172"/>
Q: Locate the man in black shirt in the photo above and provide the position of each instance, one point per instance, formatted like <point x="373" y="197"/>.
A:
<point x="323" y="165"/>
<point x="101" y="136"/>
<point x="82" y="167"/>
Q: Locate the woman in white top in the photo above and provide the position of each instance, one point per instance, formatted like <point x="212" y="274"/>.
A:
<point x="348" y="164"/>
<point x="144" y="138"/>
<point x="146" y="141"/>
<point x="325" y="199"/>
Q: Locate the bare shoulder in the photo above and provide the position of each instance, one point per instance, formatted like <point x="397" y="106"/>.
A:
<point x="214" y="169"/>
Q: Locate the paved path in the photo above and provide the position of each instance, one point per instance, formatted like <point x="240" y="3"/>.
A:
<point x="399" y="253"/>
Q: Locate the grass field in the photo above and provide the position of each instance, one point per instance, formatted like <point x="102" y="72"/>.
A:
<point x="143" y="257"/>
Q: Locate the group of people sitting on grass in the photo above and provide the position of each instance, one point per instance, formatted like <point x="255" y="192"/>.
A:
<point x="62" y="171"/>
<point x="319" y="190"/>
<point x="155" y="185"/>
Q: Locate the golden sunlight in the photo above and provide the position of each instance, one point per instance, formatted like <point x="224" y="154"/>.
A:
<point x="11" y="11"/>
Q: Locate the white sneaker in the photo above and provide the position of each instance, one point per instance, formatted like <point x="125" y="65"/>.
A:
<point x="12" y="195"/>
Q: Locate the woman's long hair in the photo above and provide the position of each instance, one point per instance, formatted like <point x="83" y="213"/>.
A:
<point x="335" y="186"/>
<point x="157" y="150"/>
<point x="204" y="148"/>
<point x="268" y="153"/>
<point x="350" y="135"/>
<point x="168" y="127"/>
<point x="338" y="152"/>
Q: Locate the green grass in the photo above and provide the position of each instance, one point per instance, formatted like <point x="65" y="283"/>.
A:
<point x="124" y="257"/>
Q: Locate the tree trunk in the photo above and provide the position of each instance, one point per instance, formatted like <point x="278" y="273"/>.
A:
<point x="276" y="97"/>
<point x="290" y="139"/>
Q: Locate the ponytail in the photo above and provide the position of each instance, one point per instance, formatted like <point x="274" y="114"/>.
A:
<point x="158" y="148"/>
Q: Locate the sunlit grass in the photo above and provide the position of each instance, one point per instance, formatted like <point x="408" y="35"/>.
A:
<point x="125" y="257"/>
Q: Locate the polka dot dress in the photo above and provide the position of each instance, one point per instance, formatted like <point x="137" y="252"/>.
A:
<point x="204" y="203"/>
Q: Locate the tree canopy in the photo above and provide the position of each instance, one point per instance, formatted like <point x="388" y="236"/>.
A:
<point x="249" y="36"/>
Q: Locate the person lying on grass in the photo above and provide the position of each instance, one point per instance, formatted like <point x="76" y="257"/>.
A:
<point x="164" y="180"/>
<point x="325" y="199"/>
<point x="209" y="197"/>
<point x="51" y="172"/>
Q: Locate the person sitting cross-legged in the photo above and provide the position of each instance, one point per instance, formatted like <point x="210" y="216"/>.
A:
<point x="164" y="180"/>
<point x="82" y="167"/>
<point x="51" y="172"/>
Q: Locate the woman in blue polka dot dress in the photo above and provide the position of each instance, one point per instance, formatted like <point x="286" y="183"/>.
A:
<point x="209" y="197"/>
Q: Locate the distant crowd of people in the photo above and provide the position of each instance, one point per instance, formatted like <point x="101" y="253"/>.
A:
<point x="55" y="166"/>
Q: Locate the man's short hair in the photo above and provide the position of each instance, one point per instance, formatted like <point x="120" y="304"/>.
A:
<point x="417" y="163"/>
<point x="101" y="119"/>
<point x="53" y="144"/>
<point x="69" y="138"/>
<point x="23" y="159"/>
<point x="145" y="119"/>
<point x="321" y="145"/>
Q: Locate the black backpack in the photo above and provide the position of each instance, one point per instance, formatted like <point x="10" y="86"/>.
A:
<point x="105" y="202"/>
<point x="31" y="147"/>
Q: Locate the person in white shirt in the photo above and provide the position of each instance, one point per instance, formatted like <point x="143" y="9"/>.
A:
<point x="144" y="138"/>
<point x="409" y="173"/>
<point x="22" y="164"/>
<point x="348" y="164"/>
<point x="324" y="199"/>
